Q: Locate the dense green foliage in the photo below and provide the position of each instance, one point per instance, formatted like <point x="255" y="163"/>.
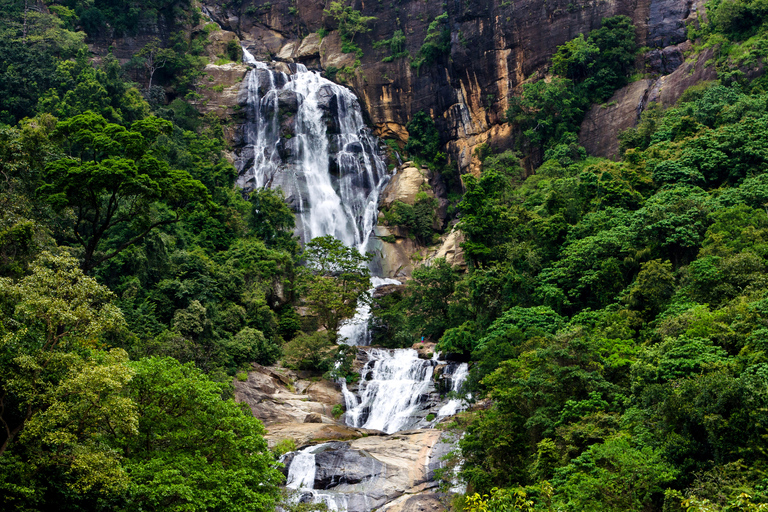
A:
<point x="613" y="312"/>
<point x="437" y="42"/>
<point x="123" y="241"/>
<point x="585" y="71"/>
<point x="350" y="22"/>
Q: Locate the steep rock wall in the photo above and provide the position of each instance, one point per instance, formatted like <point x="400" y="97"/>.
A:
<point x="495" y="46"/>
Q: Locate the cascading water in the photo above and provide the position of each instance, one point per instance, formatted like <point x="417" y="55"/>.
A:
<point x="458" y="377"/>
<point x="305" y="135"/>
<point x="356" y="331"/>
<point x="301" y="474"/>
<point x="393" y="384"/>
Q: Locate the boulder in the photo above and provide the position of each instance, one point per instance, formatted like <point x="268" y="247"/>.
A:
<point x="310" y="47"/>
<point x="288" y="101"/>
<point x="313" y="417"/>
<point x="286" y="52"/>
<point x="404" y="186"/>
<point x="450" y="250"/>
<point x="344" y="466"/>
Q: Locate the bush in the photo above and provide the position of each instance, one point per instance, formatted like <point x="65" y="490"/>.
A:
<point x="423" y="137"/>
<point x="234" y="51"/>
<point x="312" y="352"/>
<point x="337" y="411"/>
<point x="251" y="345"/>
<point x="284" y="446"/>
<point x="436" y="44"/>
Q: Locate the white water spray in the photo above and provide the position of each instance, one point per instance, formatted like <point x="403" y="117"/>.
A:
<point x="307" y="137"/>
<point x="392" y="385"/>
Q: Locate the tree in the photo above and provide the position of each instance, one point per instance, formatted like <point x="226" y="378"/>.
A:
<point x="152" y="57"/>
<point x="613" y="476"/>
<point x="431" y="305"/>
<point x="194" y="450"/>
<point x="423" y="137"/>
<point x="60" y="393"/>
<point x="48" y="316"/>
<point x="312" y="352"/>
<point x="111" y="179"/>
<point x="272" y="220"/>
<point x="335" y="280"/>
<point x="351" y="21"/>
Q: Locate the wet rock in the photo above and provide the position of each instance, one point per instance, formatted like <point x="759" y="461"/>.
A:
<point x="288" y="148"/>
<point x="288" y="127"/>
<point x="326" y="99"/>
<point x="344" y="466"/>
<point x="354" y="147"/>
<point x="288" y="101"/>
<point x="666" y="22"/>
<point x="665" y="60"/>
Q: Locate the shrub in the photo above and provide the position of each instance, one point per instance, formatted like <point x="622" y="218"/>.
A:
<point x="284" y="446"/>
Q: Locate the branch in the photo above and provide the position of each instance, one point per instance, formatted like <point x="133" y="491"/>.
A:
<point x="93" y="264"/>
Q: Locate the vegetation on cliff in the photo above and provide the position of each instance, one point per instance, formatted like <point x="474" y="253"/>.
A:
<point x="614" y="312"/>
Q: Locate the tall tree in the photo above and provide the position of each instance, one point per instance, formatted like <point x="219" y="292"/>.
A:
<point x="110" y="179"/>
<point x="335" y="281"/>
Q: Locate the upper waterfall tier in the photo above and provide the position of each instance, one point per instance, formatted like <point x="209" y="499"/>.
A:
<point x="305" y="135"/>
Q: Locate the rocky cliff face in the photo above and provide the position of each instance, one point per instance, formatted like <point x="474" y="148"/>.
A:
<point x="495" y="46"/>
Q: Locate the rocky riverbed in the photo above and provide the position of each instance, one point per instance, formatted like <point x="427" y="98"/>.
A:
<point x="348" y="468"/>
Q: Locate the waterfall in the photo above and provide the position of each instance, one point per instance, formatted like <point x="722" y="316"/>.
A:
<point x="458" y="377"/>
<point x="392" y="386"/>
<point x="306" y="135"/>
<point x="356" y="331"/>
<point x="301" y="473"/>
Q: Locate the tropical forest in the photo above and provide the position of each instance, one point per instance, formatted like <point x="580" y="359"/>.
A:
<point x="391" y="255"/>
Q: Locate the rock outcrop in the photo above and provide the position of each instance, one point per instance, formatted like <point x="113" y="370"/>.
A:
<point x="405" y="184"/>
<point x="602" y="124"/>
<point x="279" y="396"/>
<point x="495" y="46"/>
<point x="395" y="471"/>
